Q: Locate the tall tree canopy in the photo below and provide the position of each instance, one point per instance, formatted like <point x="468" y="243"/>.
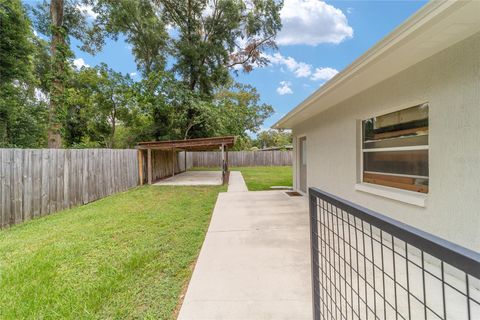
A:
<point x="186" y="51"/>
<point x="205" y="38"/>
<point x="21" y="111"/>
<point x="15" y="45"/>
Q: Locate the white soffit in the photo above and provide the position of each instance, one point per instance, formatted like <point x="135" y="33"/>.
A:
<point x="437" y="26"/>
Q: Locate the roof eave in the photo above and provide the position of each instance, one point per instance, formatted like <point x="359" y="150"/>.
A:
<point x="422" y="17"/>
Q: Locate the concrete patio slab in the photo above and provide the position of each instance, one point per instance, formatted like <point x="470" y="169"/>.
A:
<point x="255" y="261"/>
<point x="193" y="178"/>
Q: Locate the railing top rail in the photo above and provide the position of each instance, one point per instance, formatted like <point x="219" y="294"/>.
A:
<point x="460" y="257"/>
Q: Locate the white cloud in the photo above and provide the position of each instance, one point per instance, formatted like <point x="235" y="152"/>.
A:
<point x="87" y="10"/>
<point x="300" y="69"/>
<point x="133" y="74"/>
<point x="284" y="88"/>
<point x="312" y="22"/>
<point x="80" y="63"/>
<point x="323" y="74"/>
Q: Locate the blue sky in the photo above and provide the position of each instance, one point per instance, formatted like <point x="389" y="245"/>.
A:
<point x="318" y="39"/>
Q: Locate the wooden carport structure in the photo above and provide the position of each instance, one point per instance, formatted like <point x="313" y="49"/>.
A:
<point x="167" y="152"/>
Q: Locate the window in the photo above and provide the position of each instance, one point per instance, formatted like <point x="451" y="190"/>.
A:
<point x="395" y="149"/>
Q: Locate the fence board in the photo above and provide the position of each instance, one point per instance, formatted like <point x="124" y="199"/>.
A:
<point x="17" y="185"/>
<point x="27" y="185"/>
<point x="240" y="158"/>
<point x="39" y="182"/>
<point x="36" y="182"/>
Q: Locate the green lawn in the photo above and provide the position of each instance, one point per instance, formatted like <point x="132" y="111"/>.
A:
<point x="262" y="178"/>
<point x="123" y="257"/>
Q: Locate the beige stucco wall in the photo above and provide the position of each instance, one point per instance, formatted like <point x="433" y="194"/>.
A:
<point x="450" y="82"/>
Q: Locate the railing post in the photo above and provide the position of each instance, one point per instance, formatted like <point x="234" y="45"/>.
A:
<point x="314" y="256"/>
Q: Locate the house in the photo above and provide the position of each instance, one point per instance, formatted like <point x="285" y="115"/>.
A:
<point x="398" y="131"/>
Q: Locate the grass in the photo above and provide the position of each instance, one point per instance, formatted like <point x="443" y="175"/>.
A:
<point x="262" y="178"/>
<point x="126" y="256"/>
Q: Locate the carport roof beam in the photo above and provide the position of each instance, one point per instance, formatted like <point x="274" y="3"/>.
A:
<point x="202" y="144"/>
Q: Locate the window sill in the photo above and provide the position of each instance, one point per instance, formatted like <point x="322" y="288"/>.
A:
<point x="414" y="198"/>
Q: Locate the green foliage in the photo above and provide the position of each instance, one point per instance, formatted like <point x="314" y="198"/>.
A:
<point x="214" y="36"/>
<point x="191" y="96"/>
<point x="22" y="118"/>
<point x="240" y="110"/>
<point x="15" y="46"/>
<point x="139" y="22"/>
<point x="97" y="100"/>
<point x="22" y="114"/>
<point x="205" y="39"/>
<point x="75" y="21"/>
<point x="273" y="138"/>
<point x="170" y="110"/>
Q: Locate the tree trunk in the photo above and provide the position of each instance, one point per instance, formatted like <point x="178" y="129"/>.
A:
<point x="57" y="50"/>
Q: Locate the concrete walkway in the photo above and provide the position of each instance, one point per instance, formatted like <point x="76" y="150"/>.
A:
<point x="255" y="260"/>
<point x="236" y="182"/>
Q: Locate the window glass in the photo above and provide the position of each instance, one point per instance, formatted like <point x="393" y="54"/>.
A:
<point x="395" y="149"/>
<point x="409" y="162"/>
<point x="393" y="128"/>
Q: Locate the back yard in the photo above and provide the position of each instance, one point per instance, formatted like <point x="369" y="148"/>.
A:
<point x="262" y="178"/>
<point x="125" y="256"/>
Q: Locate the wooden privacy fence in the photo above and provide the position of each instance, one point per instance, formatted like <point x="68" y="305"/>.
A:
<point x="38" y="182"/>
<point x="242" y="158"/>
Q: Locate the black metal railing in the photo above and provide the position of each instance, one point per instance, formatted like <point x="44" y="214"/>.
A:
<point x="368" y="266"/>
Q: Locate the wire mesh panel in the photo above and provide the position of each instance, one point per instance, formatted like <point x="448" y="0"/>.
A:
<point x="368" y="266"/>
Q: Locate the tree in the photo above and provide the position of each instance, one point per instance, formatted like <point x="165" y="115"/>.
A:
<point x="207" y="37"/>
<point x="273" y="138"/>
<point x="98" y="99"/>
<point x="21" y="113"/>
<point x="15" y="42"/>
<point x="191" y="96"/>
<point x="214" y="36"/>
<point x="173" y="111"/>
<point x="239" y="110"/>
<point x="111" y="101"/>
<point x="58" y="51"/>
<point x="59" y="19"/>
<point x="139" y="22"/>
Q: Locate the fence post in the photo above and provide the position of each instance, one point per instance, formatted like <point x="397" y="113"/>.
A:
<point x="140" y="166"/>
<point x="314" y="256"/>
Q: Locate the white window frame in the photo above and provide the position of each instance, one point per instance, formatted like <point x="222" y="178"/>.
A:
<point x="402" y="195"/>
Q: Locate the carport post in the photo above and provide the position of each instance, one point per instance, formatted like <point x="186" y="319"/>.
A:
<point x="173" y="162"/>
<point x="226" y="149"/>
<point x="185" y="159"/>
<point x="149" y="165"/>
<point x="223" y="163"/>
<point x="223" y="157"/>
